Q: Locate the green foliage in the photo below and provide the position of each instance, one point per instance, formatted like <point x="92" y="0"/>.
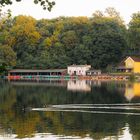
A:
<point x="7" y="55"/>
<point x="134" y="33"/>
<point x="108" y="42"/>
<point x="23" y="38"/>
<point x="46" y="4"/>
<point x="2" y="68"/>
<point x="56" y="43"/>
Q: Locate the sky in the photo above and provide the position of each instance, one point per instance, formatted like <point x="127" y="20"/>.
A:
<point x="75" y="8"/>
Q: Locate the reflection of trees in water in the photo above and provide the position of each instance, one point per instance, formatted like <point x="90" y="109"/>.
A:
<point x="16" y="99"/>
<point x="4" y="87"/>
<point x="80" y="124"/>
<point x="134" y="125"/>
<point x="107" y="93"/>
<point x="68" y="124"/>
<point x="39" y="96"/>
<point x="7" y="96"/>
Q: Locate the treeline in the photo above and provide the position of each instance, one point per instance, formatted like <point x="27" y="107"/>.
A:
<point x="102" y="40"/>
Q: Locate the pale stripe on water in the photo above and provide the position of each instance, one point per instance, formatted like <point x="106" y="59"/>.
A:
<point x="85" y="111"/>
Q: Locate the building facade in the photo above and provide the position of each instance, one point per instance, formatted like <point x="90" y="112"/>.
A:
<point x="93" y="72"/>
<point x="21" y="72"/>
<point x="78" y="69"/>
<point x="130" y="64"/>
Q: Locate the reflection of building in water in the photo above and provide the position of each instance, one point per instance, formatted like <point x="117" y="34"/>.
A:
<point x="78" y="85"/>
<point x="132" y="90"/>
<point x="53" y="82"/>
<point x="96" y="83"/>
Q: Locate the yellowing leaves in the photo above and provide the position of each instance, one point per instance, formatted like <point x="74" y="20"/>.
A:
<point x="24" y="29"/>
<point x="49" y="41"/>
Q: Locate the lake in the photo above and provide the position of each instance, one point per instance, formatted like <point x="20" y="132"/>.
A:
<point x="81" y="110"/>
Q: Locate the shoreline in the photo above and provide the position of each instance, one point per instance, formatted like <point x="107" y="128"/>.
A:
<point x="104" y="77"/>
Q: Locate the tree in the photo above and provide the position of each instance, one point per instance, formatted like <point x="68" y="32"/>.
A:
<point x="5" y="25"/>
<point x="63" y="41"/>
<point x="109" y="12"/>
<point x="70" y="39"/>
<point x="46" y="4"/>
<point x="7" y="55"/>
<point x="54" y="36"/>
<point x="98" y="14"/>
<point x="23" y="38"/>
<point x="108" y="41"/>
<point x="82" y="54"/>
<point x="112" y="13"/>
<point x="134" y="33"/>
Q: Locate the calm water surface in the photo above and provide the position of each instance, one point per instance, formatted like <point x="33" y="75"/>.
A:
<point x="55" y="110"/>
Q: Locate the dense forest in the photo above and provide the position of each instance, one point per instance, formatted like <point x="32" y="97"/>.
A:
<point x="101" y="40"/>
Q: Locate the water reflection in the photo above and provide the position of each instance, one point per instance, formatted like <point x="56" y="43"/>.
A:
<point x="17" y="121"/>
<point x="78" y="85"/>
<point x="132" y="90"/>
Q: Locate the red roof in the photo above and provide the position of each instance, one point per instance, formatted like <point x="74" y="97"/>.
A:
<point x="135" y="58"/>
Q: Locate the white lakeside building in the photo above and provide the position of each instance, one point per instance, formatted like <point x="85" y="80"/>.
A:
<point x="78" y="69"/>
